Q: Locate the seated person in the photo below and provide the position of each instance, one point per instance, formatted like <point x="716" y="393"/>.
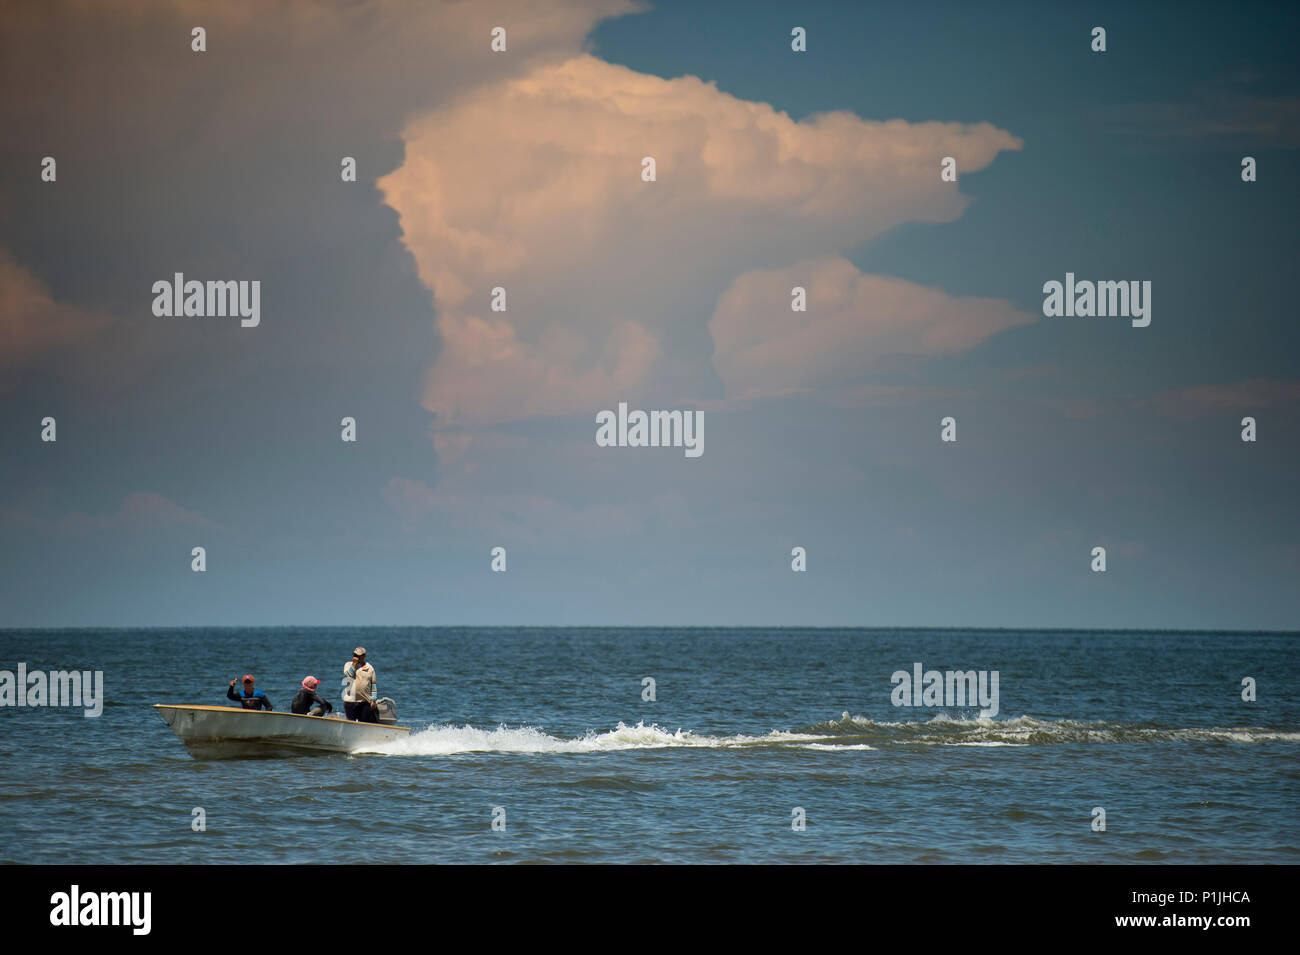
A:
<point x="308" y="699"/>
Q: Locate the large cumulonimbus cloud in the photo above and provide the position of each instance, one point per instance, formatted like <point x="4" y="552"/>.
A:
<point x="534" y="185"/>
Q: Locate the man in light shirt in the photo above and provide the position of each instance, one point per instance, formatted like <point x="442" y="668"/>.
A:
<point x="359" y="694"/>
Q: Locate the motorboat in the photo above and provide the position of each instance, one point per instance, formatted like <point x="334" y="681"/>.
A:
<point x="231" y="732"/>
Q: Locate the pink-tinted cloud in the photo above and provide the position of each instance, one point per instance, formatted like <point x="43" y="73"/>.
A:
<point x="851" y="323"/>
<point x="489" y="366"/>
<point x="1241" y="396"/>
<point x="534" y="185"/>
<point x="31" y="322"/>
<point x="139" y="511"/>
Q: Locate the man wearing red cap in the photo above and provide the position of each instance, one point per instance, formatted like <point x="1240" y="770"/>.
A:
<point x="249" y="699"/>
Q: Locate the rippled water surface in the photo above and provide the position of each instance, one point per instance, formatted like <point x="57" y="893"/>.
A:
<point x="748" y="724"/>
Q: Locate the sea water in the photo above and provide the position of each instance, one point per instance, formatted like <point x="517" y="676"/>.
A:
<point x="759" y="745"/>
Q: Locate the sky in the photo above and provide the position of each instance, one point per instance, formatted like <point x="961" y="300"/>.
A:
<point x="522" y="169"/>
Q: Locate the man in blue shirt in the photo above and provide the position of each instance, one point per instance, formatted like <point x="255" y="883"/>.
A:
<point x="249" y="699"/>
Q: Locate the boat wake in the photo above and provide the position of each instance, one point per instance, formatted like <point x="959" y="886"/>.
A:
<point x="848" y="733"/>
<point x="447" y="740"/>
<point x="943" y="730"/>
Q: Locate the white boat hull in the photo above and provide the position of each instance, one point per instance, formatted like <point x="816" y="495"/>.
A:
<point x="228" y="732"/>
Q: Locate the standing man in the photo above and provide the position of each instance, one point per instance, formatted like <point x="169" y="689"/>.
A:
<point x="249" y="699"/>
<point x="361" y="706"/>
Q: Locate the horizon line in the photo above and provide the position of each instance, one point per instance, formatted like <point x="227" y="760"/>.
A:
<point x="585" y="626"/>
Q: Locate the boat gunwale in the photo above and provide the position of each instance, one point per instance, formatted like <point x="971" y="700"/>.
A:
<point x="240" y="709"/>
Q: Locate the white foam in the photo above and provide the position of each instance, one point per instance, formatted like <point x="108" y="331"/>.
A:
<point x="940" y="729"/>
<point x="987" y="742"/>
<point x="447" y="740"/>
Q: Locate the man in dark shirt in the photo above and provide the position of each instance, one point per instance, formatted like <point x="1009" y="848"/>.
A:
<point x="308" y="699"/>
<point x="249" y="699"/>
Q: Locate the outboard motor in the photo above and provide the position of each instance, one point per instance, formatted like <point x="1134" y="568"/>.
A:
<point x="386" y="711"/>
